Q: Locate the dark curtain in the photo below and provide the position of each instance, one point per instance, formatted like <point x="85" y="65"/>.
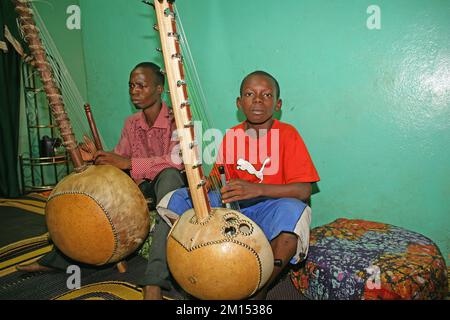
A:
<point x="9" y="105"/>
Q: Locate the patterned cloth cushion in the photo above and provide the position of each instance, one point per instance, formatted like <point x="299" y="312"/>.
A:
<point x="357" y="259"/>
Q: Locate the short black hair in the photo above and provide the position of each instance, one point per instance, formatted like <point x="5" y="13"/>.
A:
<point x="153" y="67"/>
<point x="261" y="73"/>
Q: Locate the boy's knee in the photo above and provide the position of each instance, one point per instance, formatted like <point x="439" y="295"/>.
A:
<point x="288" y="212"/>
<point x="180" y="201"/>
<point x="168" y="180"/>
<point x="170" y="174"/>
<point x="292" y="206"/>
<point x="180" y="195"/>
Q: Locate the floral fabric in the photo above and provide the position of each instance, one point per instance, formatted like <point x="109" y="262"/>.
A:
<point x="358" y="259"/>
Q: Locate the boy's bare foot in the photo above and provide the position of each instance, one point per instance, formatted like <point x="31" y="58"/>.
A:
<point x="33" y="267"/>
<point x="152" y="293"/>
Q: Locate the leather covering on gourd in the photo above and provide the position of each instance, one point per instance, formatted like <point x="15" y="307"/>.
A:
<point x="97" y="216"/>
<point x="226" y="257"/>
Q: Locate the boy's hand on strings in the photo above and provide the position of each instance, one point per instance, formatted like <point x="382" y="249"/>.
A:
<point x="111" y="158"/>
<point x="238" y="189"/>
<point x="87" y="149"/>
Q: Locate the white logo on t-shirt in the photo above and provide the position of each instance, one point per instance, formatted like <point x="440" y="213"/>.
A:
<point x="244" y="165"/>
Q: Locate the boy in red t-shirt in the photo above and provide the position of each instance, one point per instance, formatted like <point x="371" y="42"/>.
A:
<point x="269" y="173"/>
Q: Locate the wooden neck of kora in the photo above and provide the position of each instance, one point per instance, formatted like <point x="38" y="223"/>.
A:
<point x="181" y="106"/>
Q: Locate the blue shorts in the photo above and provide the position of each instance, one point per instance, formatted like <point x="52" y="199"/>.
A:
<point x="273" y="216"/>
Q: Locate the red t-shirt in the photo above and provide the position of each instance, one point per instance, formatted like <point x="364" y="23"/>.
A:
<point x="279" y="157"/>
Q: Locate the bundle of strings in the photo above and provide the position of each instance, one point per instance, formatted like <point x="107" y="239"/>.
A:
<point x="199" y="104"/>
<point x="69" y="93"/>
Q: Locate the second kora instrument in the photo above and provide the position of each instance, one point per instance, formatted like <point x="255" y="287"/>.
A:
<point x="213" y="253"/>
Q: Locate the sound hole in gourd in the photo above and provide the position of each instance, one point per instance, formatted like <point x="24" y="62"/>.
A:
<point x="230" y="231"/>
<point x="244" y="228"/>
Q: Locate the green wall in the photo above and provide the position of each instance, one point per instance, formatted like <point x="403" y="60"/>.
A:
<point x="373" y="106"/>
<point x="117" y="35"/>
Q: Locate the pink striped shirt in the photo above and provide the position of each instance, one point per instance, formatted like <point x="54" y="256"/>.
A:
<point x="149" y="148"/>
